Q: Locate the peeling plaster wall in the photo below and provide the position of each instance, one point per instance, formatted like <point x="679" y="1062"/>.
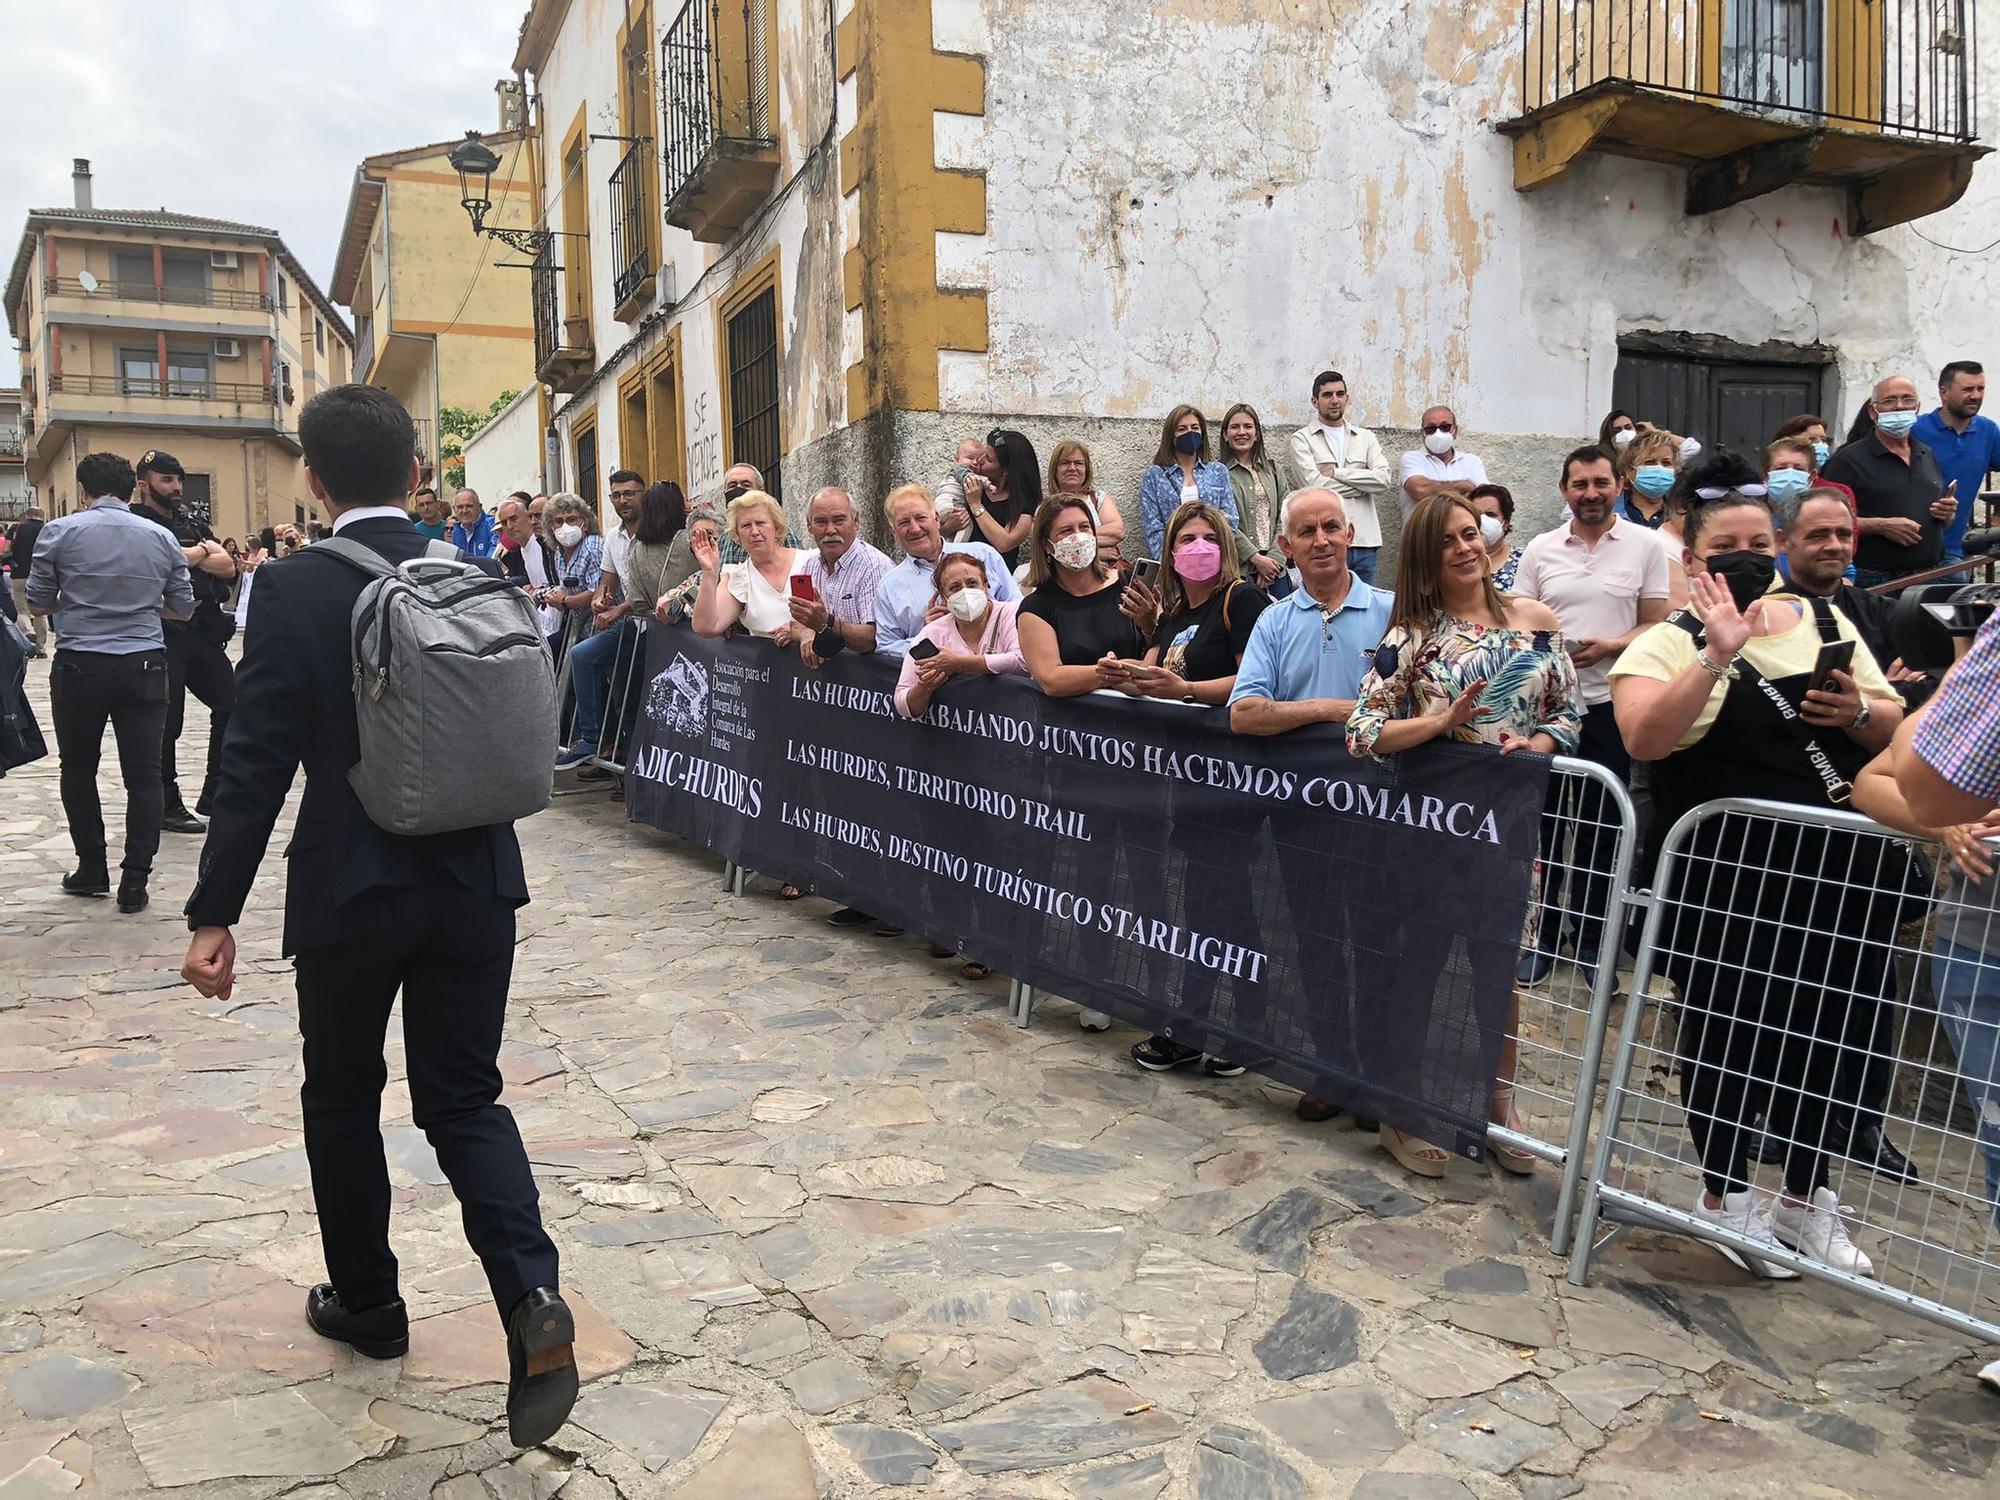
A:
<point x="1210" y="201"/>
<point x="803" y="222"/>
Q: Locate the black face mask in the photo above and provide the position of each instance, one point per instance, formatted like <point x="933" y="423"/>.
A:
<point x="735" y="491"/>
<point x="1748" y="575"/>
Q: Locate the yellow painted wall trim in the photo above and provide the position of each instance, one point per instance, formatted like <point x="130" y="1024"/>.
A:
<point x="746" y="288"/>
<point x="890" y="159"/>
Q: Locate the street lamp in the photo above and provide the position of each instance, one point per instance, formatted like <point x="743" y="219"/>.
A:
<point x="474" y="161"/>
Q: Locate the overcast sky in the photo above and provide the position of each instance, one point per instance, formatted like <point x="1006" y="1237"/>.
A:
<point x="255" y="110"/>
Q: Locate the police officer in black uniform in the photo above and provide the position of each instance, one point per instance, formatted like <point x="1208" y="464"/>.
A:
<point x="196" y="661"/>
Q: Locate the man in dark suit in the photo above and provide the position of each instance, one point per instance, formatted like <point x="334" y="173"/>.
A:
<point x="349" y="899"/>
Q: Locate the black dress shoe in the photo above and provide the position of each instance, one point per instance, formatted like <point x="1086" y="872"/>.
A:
<point x="378" y="1332"/>
<point x="1878" y="1153"/>
<point x="92" y="880"/>
<point x="132" y="891"/>
<point x="1315" y="1110"/>
<point x="177" y="819"/>
<point x="541" y="1367"/>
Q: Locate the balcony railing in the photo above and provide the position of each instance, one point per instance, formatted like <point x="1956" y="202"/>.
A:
<point x="548" y="305"/>
<point x="1900" y="67"/>
<point x="702" y="106"/>
<point x="11" y="441"/>
<point x="145" y="291"/>
<point x="239" y="391"/>
<point x="424" y="449"/>
<point x="631" y="245"/>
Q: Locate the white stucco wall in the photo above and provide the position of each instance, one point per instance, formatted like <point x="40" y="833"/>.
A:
<point x="803" y="222"/>
<point x="1207" y="202"/>
<point x="506" y="454"/>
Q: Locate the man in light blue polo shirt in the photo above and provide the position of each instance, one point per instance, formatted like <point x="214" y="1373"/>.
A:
<point x="1309" y="651"/>
<point x="1965" y="444"/>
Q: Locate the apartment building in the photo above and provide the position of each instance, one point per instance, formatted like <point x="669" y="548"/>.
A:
<point x="16" y="494"/>
<point x="436" y="322"/>
<point x="831" y="239"/>
<point x="143" y="328"/>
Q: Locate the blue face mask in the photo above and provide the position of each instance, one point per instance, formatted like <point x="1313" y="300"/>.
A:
<point x="1821" y="452"/>
<point x="1188" y="443"/>
<point x="1653" y="480"/>
<point x="1782" y="484"/>
<point x="1895" y="423"/>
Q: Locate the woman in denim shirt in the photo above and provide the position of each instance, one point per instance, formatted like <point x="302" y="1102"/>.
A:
<point x="1182" y="470"/>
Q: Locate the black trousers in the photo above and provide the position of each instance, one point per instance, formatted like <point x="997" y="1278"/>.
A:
<point x="87" y="688"/>
<point x="1576" y="871"/>
<point x="453" y="966"/>
<point x="198" y="665"/>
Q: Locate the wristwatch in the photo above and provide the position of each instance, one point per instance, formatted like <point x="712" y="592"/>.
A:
<point x="1861" y="719"/>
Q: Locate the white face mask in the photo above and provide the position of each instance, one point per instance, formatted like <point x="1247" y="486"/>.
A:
<point x="1078" y="550"/>
<point x="1440" y="442"/>
<point x="1491" y="530"/>
<point x="569" y="533"/>
<point x="967" y="604"/>
<point x="1624" y="437"/>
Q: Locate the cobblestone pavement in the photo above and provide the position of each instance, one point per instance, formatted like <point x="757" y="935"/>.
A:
<point x="833" y="1227"/>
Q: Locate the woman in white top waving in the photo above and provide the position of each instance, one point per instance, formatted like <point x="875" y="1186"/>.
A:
<point x="752" y="594"/>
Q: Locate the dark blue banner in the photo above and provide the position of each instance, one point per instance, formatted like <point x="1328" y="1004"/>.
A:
<point x="1342" y="926"/>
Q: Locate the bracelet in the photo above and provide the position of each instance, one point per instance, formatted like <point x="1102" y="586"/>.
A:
<point x="1720" y="674"/>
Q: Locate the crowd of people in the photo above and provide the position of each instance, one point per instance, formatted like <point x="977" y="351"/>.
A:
<point x="1667" y="630"/>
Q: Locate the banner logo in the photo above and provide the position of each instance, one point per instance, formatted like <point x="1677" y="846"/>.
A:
<point x="678" y="699"/>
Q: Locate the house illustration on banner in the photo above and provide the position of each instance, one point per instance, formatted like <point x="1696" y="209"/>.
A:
<point x="678" y="698"/>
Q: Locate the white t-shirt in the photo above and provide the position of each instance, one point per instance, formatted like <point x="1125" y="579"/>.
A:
<point x="1421" y="463"/>
<point x="1336" y="439"/>
<point x="764" y="608"/>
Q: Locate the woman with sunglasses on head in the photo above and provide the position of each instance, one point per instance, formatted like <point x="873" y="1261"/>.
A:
<point x="1002" y="493"/>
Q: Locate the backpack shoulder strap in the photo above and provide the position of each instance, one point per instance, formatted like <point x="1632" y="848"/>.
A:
<point x="1829" y="627"/>
<point x="361" y="559"/>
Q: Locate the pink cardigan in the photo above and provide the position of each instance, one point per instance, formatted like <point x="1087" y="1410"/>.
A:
<point x="1003" y="648"/>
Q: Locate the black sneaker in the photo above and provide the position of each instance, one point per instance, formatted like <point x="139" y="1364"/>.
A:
<point x="132" y="891"/>
<point x="1216" y="1067"/>
<point x="1161" y="1054"/>
<point x="849" y="916"/>
<point x="94" y="880"/>
<point x="177" y="819"/>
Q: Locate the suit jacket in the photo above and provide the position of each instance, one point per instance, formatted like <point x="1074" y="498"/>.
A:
<point x="1358" y="478"/>
<point x="295" y="706"/>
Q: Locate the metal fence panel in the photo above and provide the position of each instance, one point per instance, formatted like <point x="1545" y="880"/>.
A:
<point x="1805" y="948"/>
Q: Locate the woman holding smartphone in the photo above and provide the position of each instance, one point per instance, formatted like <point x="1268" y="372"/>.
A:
<point x="1207" y="611"/>
<point x="755" y="594"/>
<point x="1778" y="974"/>
<point x="974" y="636"/>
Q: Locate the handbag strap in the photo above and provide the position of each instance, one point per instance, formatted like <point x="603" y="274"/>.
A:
<point x="1838" y="788"/>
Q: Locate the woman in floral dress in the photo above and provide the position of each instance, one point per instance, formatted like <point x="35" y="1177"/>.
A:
<point x="1463" y="661"/>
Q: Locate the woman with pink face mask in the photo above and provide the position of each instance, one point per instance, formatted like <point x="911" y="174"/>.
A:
<point x="1207" y="610"/>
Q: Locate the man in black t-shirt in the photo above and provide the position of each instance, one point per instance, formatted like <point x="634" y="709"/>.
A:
<point x="1898" y="491"/>
<point x="196" y="661"/>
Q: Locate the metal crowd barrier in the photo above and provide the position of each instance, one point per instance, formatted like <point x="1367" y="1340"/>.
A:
<point x="624" y="682"/>
<point x="1805" y="946"/>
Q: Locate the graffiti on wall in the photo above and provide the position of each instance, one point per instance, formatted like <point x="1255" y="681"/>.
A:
<point x="704" y="449"/>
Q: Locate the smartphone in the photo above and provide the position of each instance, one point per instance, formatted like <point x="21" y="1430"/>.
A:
<point x="1834" y="656"/>
<point x="923" y="650"/>
<point x="1147" y="571"/>
<point x="802" y="587"/>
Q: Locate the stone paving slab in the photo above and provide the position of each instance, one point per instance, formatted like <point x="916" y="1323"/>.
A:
<point x="834" y="1228"/>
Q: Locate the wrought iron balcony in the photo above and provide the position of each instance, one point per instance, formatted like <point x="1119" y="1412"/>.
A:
<point x="631" y="204"/>
<point x="11" y="442"/>
<point x="1878" y="96"/>
<point x="145" y="291"/>
<point x="719" y="153"/>
<point x="562" y="344"/>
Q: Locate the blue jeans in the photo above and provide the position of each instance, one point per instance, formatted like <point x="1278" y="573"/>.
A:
<point x="594" y="663"/>
<point x="1968" y="996"/>
<point x="1868" y="578"/>
<point x="1361" y="562"/>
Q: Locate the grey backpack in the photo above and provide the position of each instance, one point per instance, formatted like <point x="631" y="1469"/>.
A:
<point x="454" y="693"/>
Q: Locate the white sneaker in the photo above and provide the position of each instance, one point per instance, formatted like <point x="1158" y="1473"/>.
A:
<point x="1743" y="1214"/>
<point x="1818" y="1231"/>
<point x="1990" y="1376"/>
<point x="1093" y="1020"/>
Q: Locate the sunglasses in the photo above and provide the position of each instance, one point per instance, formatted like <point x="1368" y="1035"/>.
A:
<point x="1431" y="427"/>
<point x="1753" y="491"/>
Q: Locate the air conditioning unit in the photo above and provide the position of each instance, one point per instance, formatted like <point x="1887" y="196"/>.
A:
<point x="222" y="260"/>
<point x="229" y="348"/>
